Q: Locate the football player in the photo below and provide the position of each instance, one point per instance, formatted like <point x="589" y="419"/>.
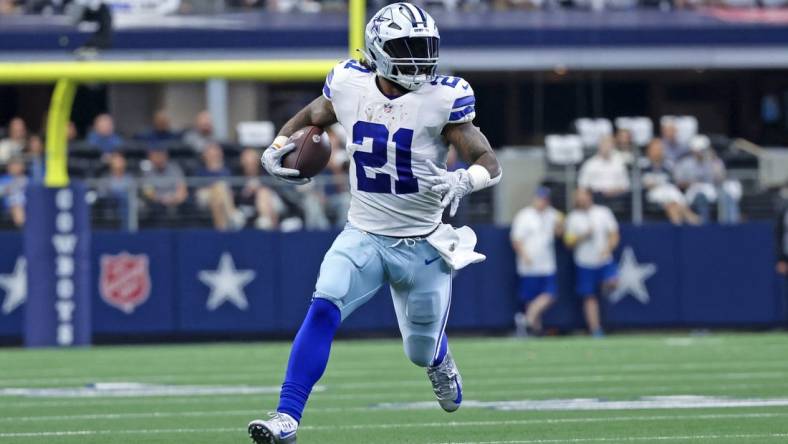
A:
<point x="400" y="117"/>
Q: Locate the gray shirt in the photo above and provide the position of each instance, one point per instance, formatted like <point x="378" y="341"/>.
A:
<point x="163" y="182"/>
<point x="691" y="170"/>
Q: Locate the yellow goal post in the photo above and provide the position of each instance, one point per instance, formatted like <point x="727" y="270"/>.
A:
<point x="68" y="74"/>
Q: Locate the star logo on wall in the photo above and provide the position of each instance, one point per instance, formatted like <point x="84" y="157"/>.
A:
<point x="227" y="284"/>
<point x="14" y="286"/>
<point x="632" y="278"/>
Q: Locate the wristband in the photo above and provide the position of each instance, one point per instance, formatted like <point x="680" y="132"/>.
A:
<point x="480" y="177"/>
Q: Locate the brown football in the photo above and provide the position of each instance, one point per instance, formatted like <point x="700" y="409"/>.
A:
<point x="311" y="154"/>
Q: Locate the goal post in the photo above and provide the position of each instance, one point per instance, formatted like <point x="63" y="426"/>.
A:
<point x="66" y="75"/>
<point x="57" y="233"/>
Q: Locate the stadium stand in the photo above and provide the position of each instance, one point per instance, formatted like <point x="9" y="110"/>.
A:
<point x="90" y="162"/>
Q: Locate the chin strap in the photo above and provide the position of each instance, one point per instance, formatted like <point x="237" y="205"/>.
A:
<point x="480" y="177"/>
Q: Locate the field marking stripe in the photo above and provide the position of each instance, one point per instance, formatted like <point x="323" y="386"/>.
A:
<point x="123" y="416"/>
<point x="532" y="441"/>
<point x="415" y="396"/>
<point x="711" y="366"/>
<point x="519" y="381"/>
<point x="441" y="424"/>
<point x="557" y="391"/>
<point x="629" y="439"/>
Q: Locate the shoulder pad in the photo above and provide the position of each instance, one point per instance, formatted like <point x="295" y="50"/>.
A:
<point x="341" y="73"/>
<point x="458" y="94"/>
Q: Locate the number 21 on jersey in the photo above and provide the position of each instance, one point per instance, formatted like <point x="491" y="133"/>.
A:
<point x="402" y="139"/>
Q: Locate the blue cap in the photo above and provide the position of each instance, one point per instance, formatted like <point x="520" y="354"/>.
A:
<point x="543" y="192"/>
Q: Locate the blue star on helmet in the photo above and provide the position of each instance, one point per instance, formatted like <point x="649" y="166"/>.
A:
<point x="376" y="24"/>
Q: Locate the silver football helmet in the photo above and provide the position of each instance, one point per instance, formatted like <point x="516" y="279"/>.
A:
<point x="402" y="44"/>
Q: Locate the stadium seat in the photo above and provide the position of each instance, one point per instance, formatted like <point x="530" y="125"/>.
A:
<point x="641" y="128"/>
<point x="591" y="131"/>
<point x="686" y="127"/>
<point x="564" y="149"/>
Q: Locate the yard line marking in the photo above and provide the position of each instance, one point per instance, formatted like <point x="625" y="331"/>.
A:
<point x="452" y="424"/>
<point x="251" y="412"/>
<point x="591" y="391"/>
<point x="629" y="439"/>
<point x="514" y="382"/>
<point x="525" y="366"/>
<point x="67" y="433"/>
<point x="595" y="404"/>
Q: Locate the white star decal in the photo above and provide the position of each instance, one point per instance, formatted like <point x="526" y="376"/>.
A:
<point x="632" y="278"/>
<point x="227" y="284"/>
<point x="15" y="286"/>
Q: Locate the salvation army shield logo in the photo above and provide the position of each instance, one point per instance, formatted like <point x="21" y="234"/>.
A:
<point x="125" y="280"/>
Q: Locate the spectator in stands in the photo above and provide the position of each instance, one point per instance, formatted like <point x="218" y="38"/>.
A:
<point x="201" y="134"/>
<point x="625" y="145"/>
<point x="103" y="135"/>
<point x="533" y="233"/>
<point x="702" y="176"/>
<point x="605" y="173"/>
<point x="36" y="159"/>
<point x="592" y="231"/>
<point x="117" y="185"/>
<point x="8" y="7"/>
<point x="163" y="185"/>
<point x="161" y="129"/>
<point x="245" y="4"/>
<point x="71" y="132"/>
<point x="256" y="199"/>
<point x="294" y="5"/>
<point x="657" y="177"/>
<point x="782" y="235"/>
<point x="215" y="195"/>
<point x="12" y="190"/>
<point x="674" y="150"/>
<point x="13" y="145"/>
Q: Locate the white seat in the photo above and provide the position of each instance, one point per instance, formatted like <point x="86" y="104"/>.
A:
<point x="686" y="127"/>
<point x="256" y="134"/>
<point x="591" y="131"/>
<point x="564" y="149"/>
<point x="641" y="128"/>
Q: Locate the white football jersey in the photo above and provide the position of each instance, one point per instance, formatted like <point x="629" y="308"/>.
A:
<point x="389" y="141"/>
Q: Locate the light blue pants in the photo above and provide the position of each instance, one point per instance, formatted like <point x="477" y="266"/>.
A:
<point x="358" y="264"/>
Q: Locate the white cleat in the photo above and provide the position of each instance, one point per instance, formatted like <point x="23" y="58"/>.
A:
<point x="446" y="383"/>
<point x="280" y="428"/>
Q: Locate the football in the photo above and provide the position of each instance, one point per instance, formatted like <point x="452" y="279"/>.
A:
<point x="311" y="154"/>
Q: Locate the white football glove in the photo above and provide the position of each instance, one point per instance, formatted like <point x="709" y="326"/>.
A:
<point x="451" y="185"/>
<point x="272" y="162"/>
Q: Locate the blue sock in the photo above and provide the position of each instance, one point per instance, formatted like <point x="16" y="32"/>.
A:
<point x="442" y="351"/>
<point x="309" y="356"/>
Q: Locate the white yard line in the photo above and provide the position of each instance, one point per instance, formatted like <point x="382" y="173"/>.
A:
<point x="338" y="372"/>
<point x="376" y="396"/>
<point x="632" y="439"/>
<point x="214" y="413"/>
<point x="510" y="381"/>
<point x="444" y="424"/>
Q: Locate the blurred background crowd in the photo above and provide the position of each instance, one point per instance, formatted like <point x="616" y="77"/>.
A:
<point x="703" y="145"/>
<point x="315" y="6"/>
<point x="163" y="176"/>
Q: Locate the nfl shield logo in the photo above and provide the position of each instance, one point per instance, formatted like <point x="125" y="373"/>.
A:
<point x="125" y="280"/>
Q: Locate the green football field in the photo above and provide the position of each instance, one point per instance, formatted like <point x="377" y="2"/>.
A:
<point x="643" y="389"/>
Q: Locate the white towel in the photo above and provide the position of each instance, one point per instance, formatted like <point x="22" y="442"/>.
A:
<point x="455" y="246"/>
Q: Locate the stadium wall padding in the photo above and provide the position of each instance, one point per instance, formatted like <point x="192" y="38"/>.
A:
<point x="204" y="282"/>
